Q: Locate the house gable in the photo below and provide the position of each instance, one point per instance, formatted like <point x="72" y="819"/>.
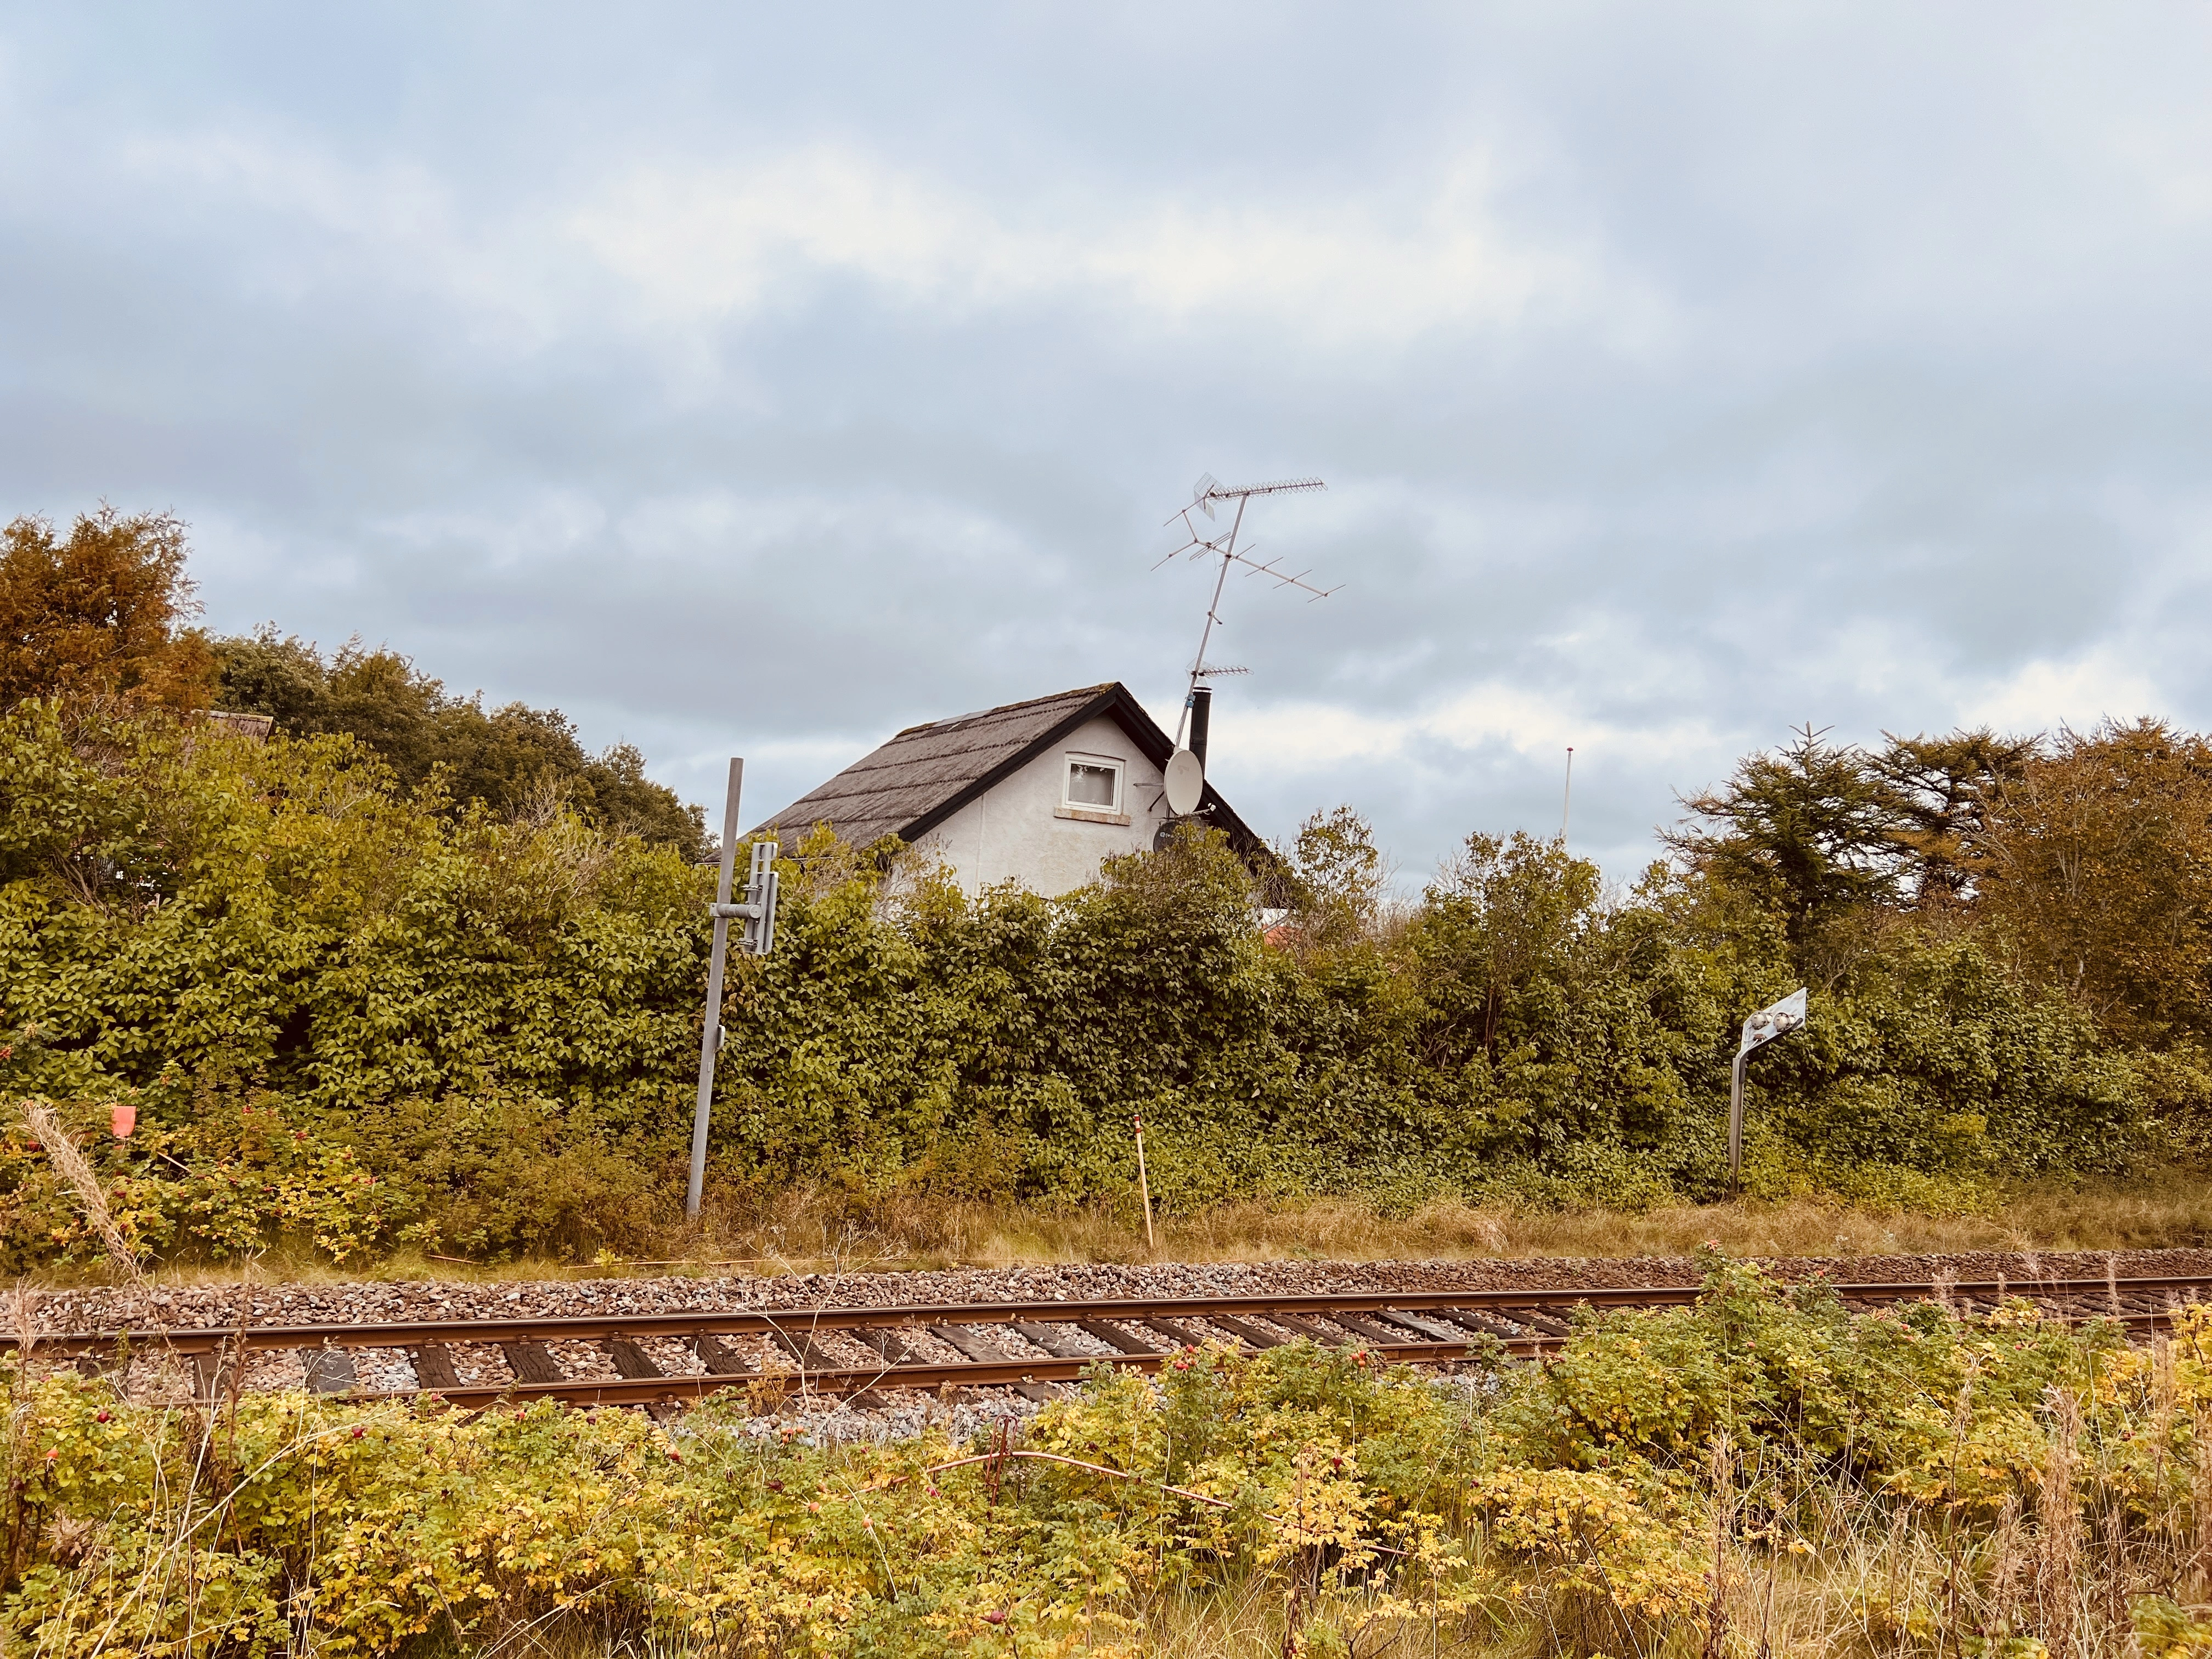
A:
<point x="937" y="784"/>
<point x="1047" y="829"/>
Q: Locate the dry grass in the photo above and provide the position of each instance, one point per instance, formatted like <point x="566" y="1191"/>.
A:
<point x="810" y="1232"/>
<point x="806" y="1230"/>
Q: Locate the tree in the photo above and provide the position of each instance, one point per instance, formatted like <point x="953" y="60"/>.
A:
<point x="2097" y="859"/>
<point x="513" y="759"/>
<point x="1944" y="788"/>
<point x="1335" y="880"/>
<point x="1501" y="912"/>
<point x="102" y="614"/>
<point x="1811" y="832"/>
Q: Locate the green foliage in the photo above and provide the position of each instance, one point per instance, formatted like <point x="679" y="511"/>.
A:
<point x="1332" y="880"/>
<point x="238" y="935"/>
<point x="515" y="760"/>
<point x="349" y="1011"/>
<point x="1811" y="831"/>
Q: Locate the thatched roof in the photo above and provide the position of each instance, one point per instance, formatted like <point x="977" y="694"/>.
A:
<point x="927" y="773"/>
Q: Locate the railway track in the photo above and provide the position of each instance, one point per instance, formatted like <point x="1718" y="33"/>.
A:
<point x="661" y="1360"/>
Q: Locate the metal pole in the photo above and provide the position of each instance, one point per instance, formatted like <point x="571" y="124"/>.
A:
<point x="1567" y="801"/>
<point x="1735" y="1121"/>
<point x="1228" y="558"/>
<point x="1762" y="1027"/>
<point x="710" y="1035"/>
<point x="1145" y="1186"/>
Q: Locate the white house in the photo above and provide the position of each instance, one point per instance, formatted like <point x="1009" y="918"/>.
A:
<point x="1041" y="792"/>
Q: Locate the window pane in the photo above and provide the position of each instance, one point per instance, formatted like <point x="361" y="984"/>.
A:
<point x="1090" y="785"/>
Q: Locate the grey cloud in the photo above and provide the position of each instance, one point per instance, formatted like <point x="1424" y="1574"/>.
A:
<point x="1864" y="380"/>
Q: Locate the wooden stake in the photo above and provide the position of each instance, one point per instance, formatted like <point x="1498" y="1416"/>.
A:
<point x="1144" y="1186"/>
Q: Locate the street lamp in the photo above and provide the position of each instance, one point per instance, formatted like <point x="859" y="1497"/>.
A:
<point x="1761" y="1028"/>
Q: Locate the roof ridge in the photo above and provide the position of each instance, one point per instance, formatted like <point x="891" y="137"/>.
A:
<point x="918" y="778"/>
<point x="952" y="720"/>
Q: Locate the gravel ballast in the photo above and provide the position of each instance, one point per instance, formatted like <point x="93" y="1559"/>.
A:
<point x="189" y="1307"/>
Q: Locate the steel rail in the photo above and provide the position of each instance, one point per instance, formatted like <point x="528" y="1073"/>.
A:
<point x="752" y="1321"/>
<point x="846" y="1381"/>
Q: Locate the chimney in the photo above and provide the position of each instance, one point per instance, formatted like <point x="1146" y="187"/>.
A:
<point x="1201" y="712"/>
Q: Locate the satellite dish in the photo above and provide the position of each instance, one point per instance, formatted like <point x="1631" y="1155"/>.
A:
<point x="1186" y="782"/>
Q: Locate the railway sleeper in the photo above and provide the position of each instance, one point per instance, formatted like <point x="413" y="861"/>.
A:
<point x="1481" y="1324"/>
<point x="213" y="1373"/>
<point x="885" y="1344"/>
<point x="329" y="1371"/>
<point x="803" y="1350"/>
<point x="1115" y="1337"/>
<point x="630" y="1360"/>
<point x="1305" y="1328"/>
<point x="720" y="1358"/>
<point x="1541" y="1322"/>
<point x="1360" y="1325"/>
<point x="1244" y="1331"/>
<point x="970" y="1345"/>
<point x="1053" y="1338"/>
<point x="434" y="1367"/>
<point x="1433" y="1330"/>
<point x="531" y="1362"/>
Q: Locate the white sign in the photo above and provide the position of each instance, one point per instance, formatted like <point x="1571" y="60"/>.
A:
<point x="1780" y="1020"/>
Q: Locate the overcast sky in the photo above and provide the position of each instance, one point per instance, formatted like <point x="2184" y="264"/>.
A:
<point x="764" y="380"/>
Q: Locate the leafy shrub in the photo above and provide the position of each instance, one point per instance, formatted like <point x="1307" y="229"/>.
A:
<point x="481" y="1033"/>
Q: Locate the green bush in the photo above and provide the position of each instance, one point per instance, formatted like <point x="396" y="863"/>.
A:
<point x="376" y="1017"/>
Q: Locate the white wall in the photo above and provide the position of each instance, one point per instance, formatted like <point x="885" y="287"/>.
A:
<point x="1020" y="830"/>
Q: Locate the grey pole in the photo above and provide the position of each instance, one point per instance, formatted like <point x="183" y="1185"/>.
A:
<point x="1735" y="1121"/>
<point x="710" y="1036"/>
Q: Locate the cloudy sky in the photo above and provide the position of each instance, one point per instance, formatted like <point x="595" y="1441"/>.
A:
<point x="764" y="379"/>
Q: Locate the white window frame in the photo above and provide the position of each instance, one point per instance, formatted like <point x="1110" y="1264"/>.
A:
<point x="1085" y="811"/>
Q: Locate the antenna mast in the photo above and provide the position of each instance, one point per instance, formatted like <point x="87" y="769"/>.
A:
<point x="1204" y="494"/>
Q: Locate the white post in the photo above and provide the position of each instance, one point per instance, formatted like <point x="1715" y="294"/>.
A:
<point x="710" y="1036"/>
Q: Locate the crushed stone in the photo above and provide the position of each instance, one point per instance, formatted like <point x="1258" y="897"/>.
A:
<point x="213" y="1306"/>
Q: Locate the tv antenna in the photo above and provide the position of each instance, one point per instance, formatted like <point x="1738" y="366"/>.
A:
<point x="1204" y="494"/>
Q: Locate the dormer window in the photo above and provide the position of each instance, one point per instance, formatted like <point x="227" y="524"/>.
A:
<point x="1091" y="788"/>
